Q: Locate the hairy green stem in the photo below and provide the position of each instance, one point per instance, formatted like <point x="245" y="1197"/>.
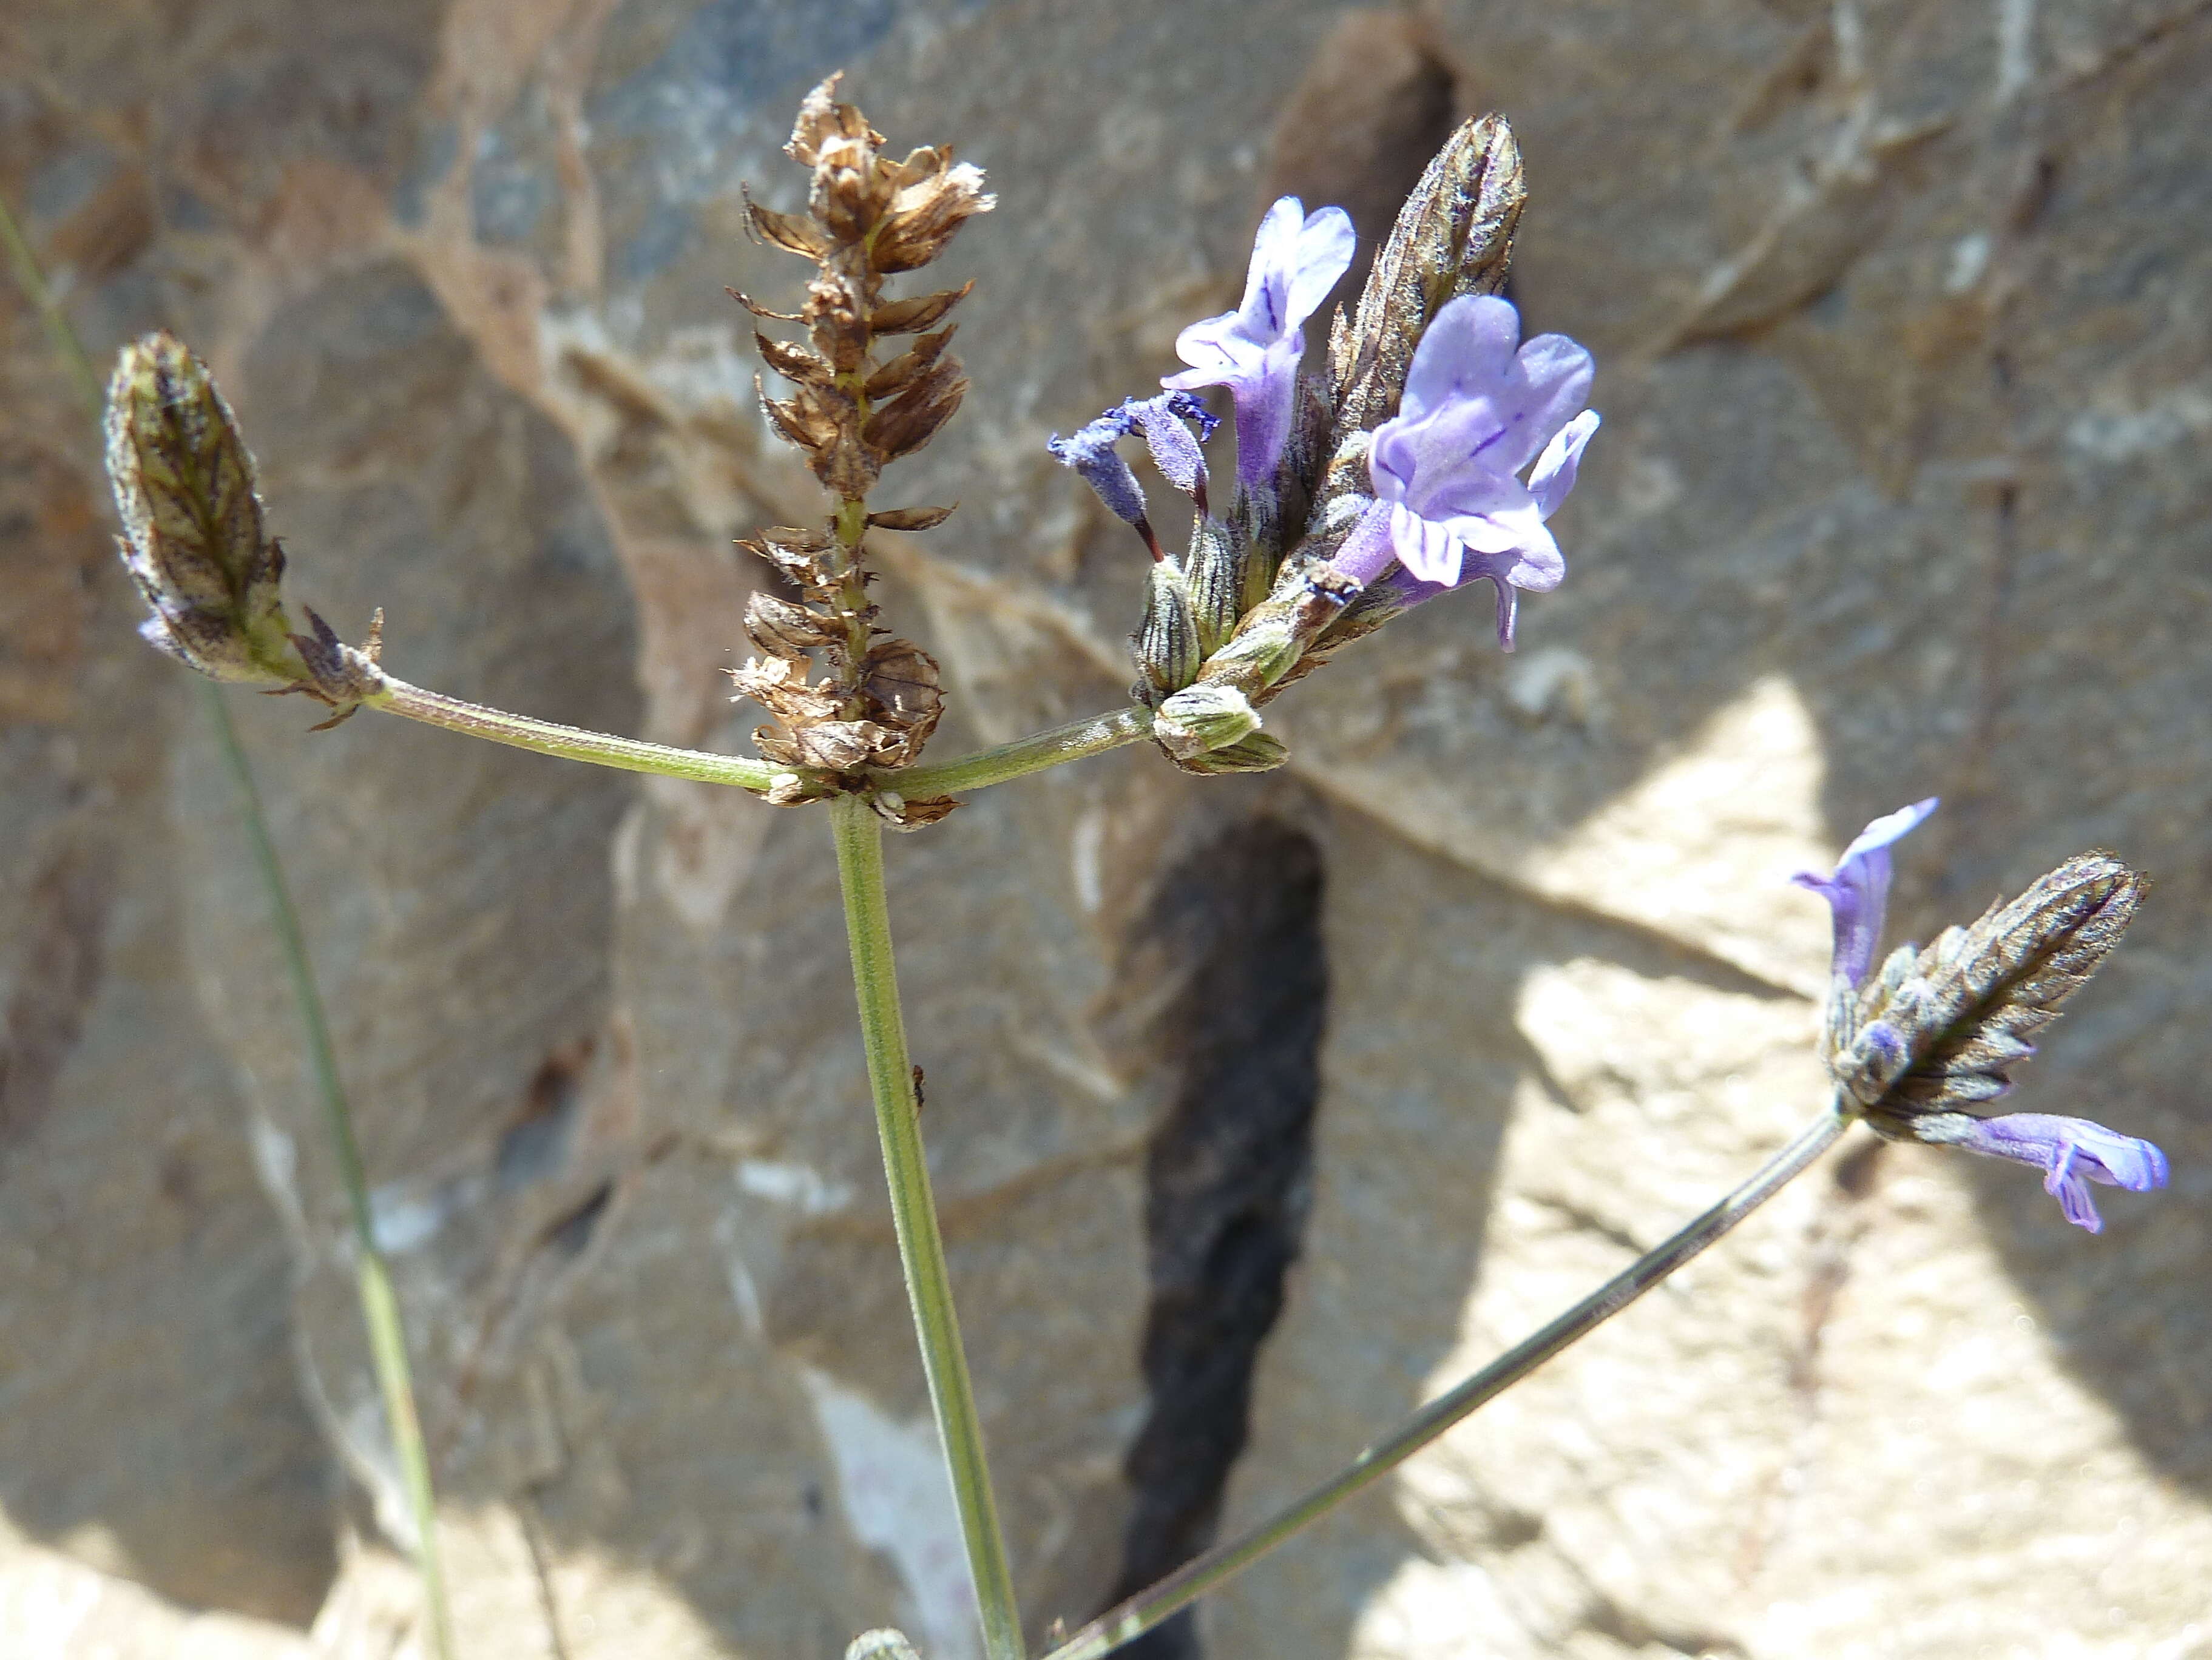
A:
<point x="914" y="1213"/>
<point x="380" y="1305"/>
<point x="550" y="737"/>
<point x="1148" y="1607"/>
<point x="1092" y="735"/>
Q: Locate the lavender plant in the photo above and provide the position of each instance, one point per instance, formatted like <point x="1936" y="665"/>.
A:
<point x="1427" y="450"/>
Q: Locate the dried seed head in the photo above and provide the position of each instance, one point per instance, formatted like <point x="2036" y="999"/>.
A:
<point x="904" y="689"/>
<point x="1936" y="1030"/>
<point x="868" y="217"/>
<point x="910" y="518"/>
<point x="911" y="812"/>
<point x="783" y="629"/>
<point x="928" y="213"/>
<point x="913" y="316"/>
<point x="910" y="420"/>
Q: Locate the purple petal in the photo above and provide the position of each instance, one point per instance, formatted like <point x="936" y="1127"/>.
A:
<point x="1858" y="893"/>
<point x="1509" y="612"/>
<point x="1466" y="350"/>
<point x="1424" y="546"/>
<point x="2072" y="1153"/>
<point x="1219" y="354"/>
<point x="1265" y="312"/>
<point x="1524" y="555"/>
<point x="1321" y="254"/>
<point x="1547" y="388"/>
<point x="1562" y="458"/>
<point x="1368" y="551"/>
<point x="1265" y="404"/>
<point x="1439" y="458"/>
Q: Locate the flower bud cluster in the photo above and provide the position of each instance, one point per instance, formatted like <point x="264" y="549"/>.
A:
<point x="195" y="542"/>
<point x="1387" y="478"/>
<point x="851" y="412"/>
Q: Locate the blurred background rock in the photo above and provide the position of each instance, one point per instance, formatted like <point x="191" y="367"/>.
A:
<point x="1899" y="307"/>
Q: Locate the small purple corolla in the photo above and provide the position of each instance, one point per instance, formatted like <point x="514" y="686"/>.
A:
<point x="1254" y="350"/>
<point x="1858" y="893"/>
<point x="2070" y="1152"/>
<point x="1478" y="406"/>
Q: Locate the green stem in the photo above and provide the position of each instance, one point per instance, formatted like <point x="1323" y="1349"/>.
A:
<point x="1094" y="735"/>
<point x="551" y="738"/>
<point x="380" y="1306"/>
<point x="1150" y="1607"/>
<point x="921" y="1252"/>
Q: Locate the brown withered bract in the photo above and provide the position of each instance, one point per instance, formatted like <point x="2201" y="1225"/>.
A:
<point x="874" y="701"/>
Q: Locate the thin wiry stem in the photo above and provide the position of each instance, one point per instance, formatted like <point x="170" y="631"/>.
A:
<point x="380" y="1306"/>
<point x="59" y="330"/>
<point x="914" y="1213"/>
<point x="1150" y="1606"/>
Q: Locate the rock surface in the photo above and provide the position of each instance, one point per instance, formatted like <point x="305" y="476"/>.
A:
<point x="1907" y="379"/>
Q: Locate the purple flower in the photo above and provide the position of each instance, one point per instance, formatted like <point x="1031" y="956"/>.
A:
<point x="1089" y="451"/>
<point x="1254" y="349"/>
<point x="1858" y="892"/>
<point x="1478" y="406"/>
<point x="2070" y="1152"/>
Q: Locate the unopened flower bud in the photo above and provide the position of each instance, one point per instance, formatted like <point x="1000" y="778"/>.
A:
<point x="1256" y="752"/>
<point x="1201" y="718"/>
<point x="1165" y="644"/>
<point x="1215" y="566"/>
<point x="193" y="538"/>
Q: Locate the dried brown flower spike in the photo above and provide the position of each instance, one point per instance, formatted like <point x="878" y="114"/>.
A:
<point x="852" y="413"/>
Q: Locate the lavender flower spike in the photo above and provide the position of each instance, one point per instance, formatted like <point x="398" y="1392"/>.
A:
<point x="1478" y="406"/>
<point x="2070" y="1152"/>
<point x="1254" y="349"/>
<point x="1858" y="892"/>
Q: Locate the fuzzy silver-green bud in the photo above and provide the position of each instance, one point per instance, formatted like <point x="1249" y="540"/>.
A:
<point x="1216" y="575"/>
<point x="195" y="542"/>
<point x="193" y="538"/>
<point x="1165" y="644"/>
<point x="1255" y="752"/>
<point x="1202" y="718"/>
